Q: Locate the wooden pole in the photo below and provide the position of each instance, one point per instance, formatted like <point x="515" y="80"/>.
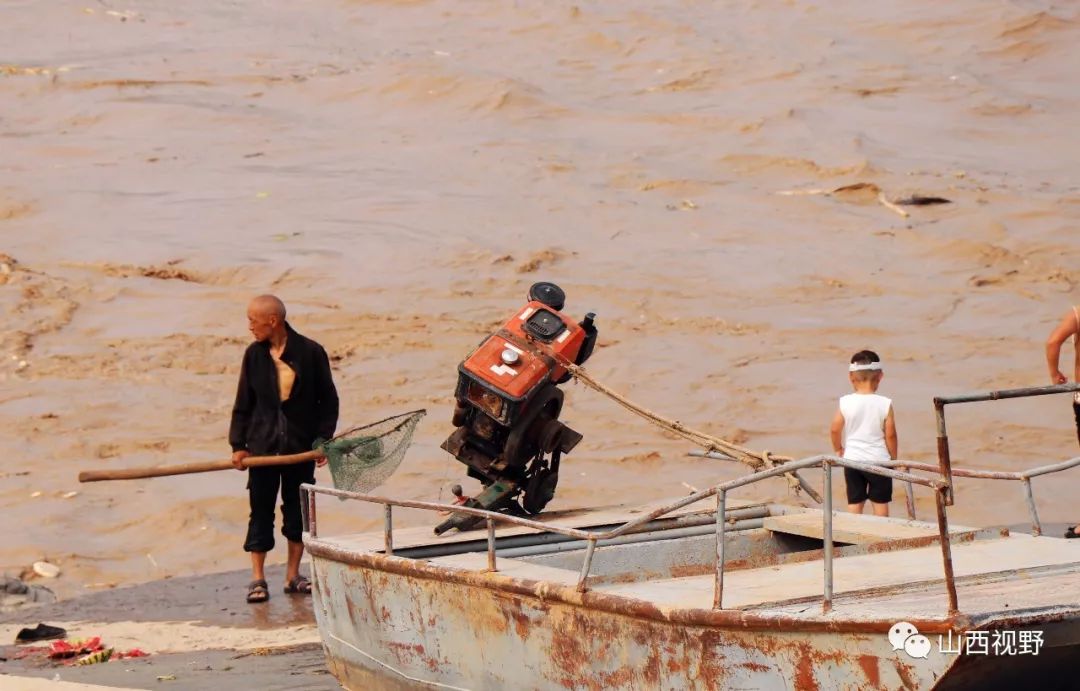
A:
<point x="203" y="467"/>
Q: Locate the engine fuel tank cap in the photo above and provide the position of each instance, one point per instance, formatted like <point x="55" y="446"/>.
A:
<point x="510" y="357"/>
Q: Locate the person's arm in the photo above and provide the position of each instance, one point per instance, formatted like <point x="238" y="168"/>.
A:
<point x="241" y="416"/>
<point x="891" y="441"/>
<point x="1066" y="328"/>
<point x="836" y="433"/>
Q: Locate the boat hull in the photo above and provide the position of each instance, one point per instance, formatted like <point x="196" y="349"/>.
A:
<point x="392" y="629"/>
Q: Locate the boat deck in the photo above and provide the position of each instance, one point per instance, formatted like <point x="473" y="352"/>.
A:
<point x="995" y="572"/>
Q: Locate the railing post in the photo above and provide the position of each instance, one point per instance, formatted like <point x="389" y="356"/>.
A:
<point x="946" y="551"/>
<point x="826" y="603"/>
<point x="1036" y="526"/>
<point x="491" y="544"/>
<point x="388" y="528"/>
<point x="944" y="459"/>
<point x="909" y="496"/>
<point x="587" y="565"/>
<point x="721" y="521"/>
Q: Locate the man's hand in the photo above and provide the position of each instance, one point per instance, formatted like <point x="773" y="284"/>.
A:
<point x="320" y="461"/>
<point x="238" y="459"/>
<point x="1056" y="377"/>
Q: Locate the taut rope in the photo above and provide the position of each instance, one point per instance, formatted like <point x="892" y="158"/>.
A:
<point x="756" y="460"/>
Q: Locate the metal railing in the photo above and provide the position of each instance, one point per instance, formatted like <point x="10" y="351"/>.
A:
<point x="944" y="454"/>
<point x="1023" y="476"/>
<point x="719" y="491"/>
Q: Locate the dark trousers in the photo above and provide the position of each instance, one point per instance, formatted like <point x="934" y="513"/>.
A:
<point x="263" y="485"/>
<point x="1076" y="414"/>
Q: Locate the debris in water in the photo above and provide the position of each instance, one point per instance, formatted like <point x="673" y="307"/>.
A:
<point x="46" y="570"/>
<point x="919" y="200"/>
<point x="872" y="190"/>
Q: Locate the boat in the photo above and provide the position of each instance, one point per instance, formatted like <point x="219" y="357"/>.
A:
<point x="705" y="591"/>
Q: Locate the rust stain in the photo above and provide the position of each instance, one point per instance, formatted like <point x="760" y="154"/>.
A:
<point x="651" y="673"/>
<point x="755" y="666"/>
<point x="871" y="669"/>
<point x="906" y="678"/>
<point x="804" y="673"/>
<point x="513" y="611"/>
<point x="687" y="570"/>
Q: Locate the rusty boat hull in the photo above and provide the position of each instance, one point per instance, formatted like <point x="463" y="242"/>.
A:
<point x="430" y="613"/>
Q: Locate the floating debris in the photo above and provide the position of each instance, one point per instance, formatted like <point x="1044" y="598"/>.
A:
<point x="919" y="200"/>
<point x="871" y="190"/>
<point x="46" y="570"/>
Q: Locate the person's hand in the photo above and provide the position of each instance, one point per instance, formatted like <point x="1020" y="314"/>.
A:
<point x="320" y="461"/>
<point x="1056" y="377"/>
<point x="238" y="459"/>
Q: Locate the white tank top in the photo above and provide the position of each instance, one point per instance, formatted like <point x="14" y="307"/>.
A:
<point x="864" y="426"/>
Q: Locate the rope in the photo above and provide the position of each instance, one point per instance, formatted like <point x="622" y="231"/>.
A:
<point x="756" y="460"/>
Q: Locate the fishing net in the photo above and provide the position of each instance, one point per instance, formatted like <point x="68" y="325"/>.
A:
<point x="362" y="458"/>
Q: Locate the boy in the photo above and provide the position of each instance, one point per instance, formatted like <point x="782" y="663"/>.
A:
<point x="864" y="429"/>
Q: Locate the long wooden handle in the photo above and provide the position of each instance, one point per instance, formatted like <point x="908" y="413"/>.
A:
<point x="185" y="468"/>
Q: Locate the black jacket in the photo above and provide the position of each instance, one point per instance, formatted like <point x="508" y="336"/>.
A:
<point x="261" y="422"/>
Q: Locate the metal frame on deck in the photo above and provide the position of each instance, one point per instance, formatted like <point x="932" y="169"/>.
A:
<point x="593" y="538"/>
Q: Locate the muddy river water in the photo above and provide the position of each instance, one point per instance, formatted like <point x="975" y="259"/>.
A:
<point x="400" y="172"/>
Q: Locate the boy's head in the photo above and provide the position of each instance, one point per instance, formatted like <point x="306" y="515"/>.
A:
<point x="865" y="367"/>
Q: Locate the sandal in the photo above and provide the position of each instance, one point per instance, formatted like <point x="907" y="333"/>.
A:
<point x="298" y="586"/>
<point x="1071" y="532"/>
<point x="258" y="592"/>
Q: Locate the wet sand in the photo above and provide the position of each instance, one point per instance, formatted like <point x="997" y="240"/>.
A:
<point x="196" y="629"/>
<point x="400" y="172"/>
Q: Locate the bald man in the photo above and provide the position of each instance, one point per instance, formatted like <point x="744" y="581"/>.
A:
<point x="285" y="401"/>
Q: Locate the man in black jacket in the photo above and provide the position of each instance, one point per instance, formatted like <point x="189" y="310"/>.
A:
<point x="285" y="401"/>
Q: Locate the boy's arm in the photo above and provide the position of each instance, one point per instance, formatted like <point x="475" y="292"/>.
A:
<point x="891" y="442"/>
<point x="1059" y="335"/>
<point x="836" y="431"/>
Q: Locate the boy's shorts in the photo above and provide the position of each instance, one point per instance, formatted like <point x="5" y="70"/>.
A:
<point x="861" y="485"/>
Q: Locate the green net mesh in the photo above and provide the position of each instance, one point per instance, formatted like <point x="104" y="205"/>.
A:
<point x="362" y="458"/>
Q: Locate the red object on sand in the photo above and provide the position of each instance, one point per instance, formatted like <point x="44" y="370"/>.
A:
<point x="60" y="650"/>
<point x="134" y="652"/>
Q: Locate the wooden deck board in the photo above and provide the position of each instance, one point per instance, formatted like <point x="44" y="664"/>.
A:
<point x="853" y="528"/>
<point x="785" y="582"/>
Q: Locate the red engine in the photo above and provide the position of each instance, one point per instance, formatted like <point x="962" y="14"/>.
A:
<point x="508" y="405"/>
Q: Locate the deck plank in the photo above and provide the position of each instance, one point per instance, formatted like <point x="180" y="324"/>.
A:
<point x="805" y="579"/>
<point x="854" y="529"/>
